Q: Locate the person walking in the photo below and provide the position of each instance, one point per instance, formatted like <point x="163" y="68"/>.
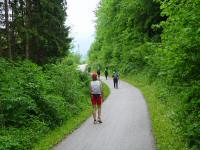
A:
<point x="115" y="79"/>
<point x="98" y="72"/>
<point x="89" y="69"/>
<point x="96" y="98"/>
<point x="106" y="73"/>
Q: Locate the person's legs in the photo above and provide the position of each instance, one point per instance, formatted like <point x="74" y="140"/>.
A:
<point x="106" y="74"/>
<point x="117" y="84"/>
<point x="99" y="112"/>
<point x="94" y="113"/>
<point x="94" y="103"/>
<point x="99" y="103"/>
<point x="114" y="82"/>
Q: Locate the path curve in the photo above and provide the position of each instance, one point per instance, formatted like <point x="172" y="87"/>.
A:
<point x="126" y="124"/>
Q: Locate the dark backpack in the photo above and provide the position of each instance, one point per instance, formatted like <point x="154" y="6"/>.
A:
<point x="116" y="76"/>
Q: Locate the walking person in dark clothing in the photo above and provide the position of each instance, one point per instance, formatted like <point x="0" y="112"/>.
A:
<point x="98" y="72"/>
<point x="89" y="69"/>
<point x="115" y="79"/>
<point x="106" y="73"/>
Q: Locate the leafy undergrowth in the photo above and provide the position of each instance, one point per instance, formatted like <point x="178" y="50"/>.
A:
<point x="162" y="108"/>
<point x="35" y="100"/>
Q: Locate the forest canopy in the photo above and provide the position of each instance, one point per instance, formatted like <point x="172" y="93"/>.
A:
<point x="34" y="29"/>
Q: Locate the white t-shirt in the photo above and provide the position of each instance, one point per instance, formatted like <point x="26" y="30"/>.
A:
<point x="96" y="87"/>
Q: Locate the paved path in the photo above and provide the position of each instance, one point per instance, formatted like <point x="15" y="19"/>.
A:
<point x="82" y="67"/>
<point x="126" y="124"/>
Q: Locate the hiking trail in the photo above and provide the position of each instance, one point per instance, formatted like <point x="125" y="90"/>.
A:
<point x="126" y="124"/>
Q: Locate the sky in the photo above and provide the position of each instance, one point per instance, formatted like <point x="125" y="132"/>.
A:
<point x="81" y="19"/>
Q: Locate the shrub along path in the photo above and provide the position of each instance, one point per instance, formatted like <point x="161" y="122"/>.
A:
<point x="126" y="124"/>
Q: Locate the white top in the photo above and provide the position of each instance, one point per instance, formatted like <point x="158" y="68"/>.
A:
<point x="96" y="87"/>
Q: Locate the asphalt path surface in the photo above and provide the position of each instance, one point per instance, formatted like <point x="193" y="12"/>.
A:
<point x="82" y="67"/>
<point x="126" y="124"/>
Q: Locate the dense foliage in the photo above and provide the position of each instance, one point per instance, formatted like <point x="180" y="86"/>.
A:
<point x="33" y="29"/>
<point x="162" y="39"/>
<point x="34" y="100"/>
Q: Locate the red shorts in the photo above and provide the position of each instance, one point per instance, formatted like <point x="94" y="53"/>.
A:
<point x="96" y="100"/>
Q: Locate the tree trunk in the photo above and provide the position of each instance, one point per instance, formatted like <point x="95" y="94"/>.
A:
<point x="27" y="25"/>
<point x="7" y="28"/>
<point x="12" y="29"/>
<point x="27" y="46"/>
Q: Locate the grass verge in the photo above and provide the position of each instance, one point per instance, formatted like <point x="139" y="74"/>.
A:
<point x="106" y="90"/>
<point x="55" y="136"/>
<point x="166" y="134"/>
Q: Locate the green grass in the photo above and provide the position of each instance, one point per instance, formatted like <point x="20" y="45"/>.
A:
<point x="165" y="133"/>
<point x="55" y="136"/>
<point x="106" y="90"/>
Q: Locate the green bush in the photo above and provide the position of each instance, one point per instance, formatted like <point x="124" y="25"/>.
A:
<point x="19" y="87"/>
<point x="34" y="100"/>
<point x="22" y="138"/>
<point x="189" y="114"/>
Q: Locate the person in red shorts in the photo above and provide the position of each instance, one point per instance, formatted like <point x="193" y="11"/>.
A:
<point x="96" y="97"/>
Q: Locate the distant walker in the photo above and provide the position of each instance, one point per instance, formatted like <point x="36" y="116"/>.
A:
<point x="115" y="79"/>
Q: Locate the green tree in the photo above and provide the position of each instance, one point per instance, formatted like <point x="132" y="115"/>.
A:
<point x="160" y="38"/>
<point x="35" y="30"/>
